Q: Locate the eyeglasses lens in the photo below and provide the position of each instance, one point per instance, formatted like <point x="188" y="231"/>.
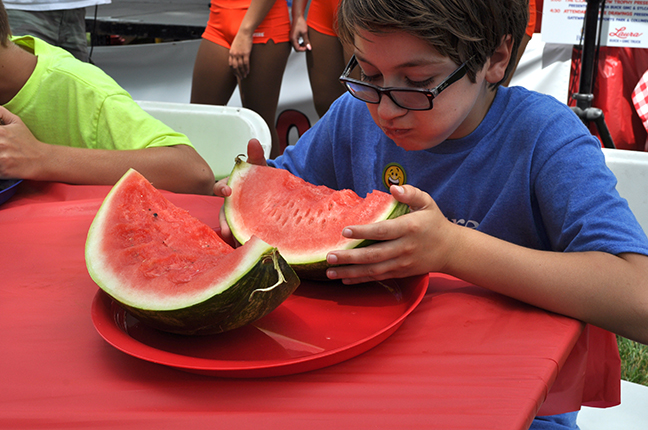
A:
<point x="405" y="99"/>
<point x="410" y="100"/>
<point x="366" y="94"/>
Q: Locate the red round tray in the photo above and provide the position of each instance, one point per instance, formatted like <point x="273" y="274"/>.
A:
<point x="321" y="324"/>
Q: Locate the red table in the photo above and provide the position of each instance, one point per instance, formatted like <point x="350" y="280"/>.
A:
<point x="466" y="358"/>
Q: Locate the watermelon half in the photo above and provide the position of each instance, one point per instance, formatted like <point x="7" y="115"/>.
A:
<point x="304" y="221"/>
<point x="175" y="273"/>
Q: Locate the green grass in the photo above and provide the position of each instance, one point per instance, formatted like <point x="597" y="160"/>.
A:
<point x="634" y="361"/>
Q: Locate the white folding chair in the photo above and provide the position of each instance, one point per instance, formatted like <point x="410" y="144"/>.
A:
<point x="631" y="170"/>
<point x="219" y="133"/>
<point x="631" y="414"/>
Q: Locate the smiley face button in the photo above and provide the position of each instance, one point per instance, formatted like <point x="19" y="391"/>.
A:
<point x="394" y="174"/>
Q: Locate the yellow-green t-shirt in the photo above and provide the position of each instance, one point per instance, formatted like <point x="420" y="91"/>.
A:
<point x="72" y="103"/>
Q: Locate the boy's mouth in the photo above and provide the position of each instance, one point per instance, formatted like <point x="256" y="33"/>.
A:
<point x="392" y="132"/>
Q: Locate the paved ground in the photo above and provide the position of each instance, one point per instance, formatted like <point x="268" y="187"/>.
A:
<point x="180" y="19"/>
<point x="172" y="12"/>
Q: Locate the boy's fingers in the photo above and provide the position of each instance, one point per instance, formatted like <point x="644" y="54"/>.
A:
<point x="411" y="196"/>
<point x="221" y="189"/>
<point x="255" y="153"/>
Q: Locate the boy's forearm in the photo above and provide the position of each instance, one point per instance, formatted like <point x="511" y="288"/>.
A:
<point x="174" y="168"/>
<point x="595" y="287"/>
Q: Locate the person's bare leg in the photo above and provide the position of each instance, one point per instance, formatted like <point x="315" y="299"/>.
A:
<point x="325" y="61"/>
<point x="213" y="81"/>
<point x="261" y="88"/>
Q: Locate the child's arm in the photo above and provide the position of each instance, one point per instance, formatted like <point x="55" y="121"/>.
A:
<point x="175" y="168"/>
<point x="599" y="288"/>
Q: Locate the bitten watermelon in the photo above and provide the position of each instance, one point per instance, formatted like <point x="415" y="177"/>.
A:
<point x="302" y="220"/>
<point x="175" y="273"/>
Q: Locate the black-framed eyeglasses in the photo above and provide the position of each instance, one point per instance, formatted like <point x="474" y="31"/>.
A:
<point x="406" y="98"/>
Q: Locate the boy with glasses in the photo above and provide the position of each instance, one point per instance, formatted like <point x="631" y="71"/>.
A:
<point x="507" y="187"/>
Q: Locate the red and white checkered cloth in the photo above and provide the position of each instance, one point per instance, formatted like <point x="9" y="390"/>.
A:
<point x="640" y="99"/>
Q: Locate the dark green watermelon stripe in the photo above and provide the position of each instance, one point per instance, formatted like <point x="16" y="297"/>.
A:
<point x="240" y="304"/>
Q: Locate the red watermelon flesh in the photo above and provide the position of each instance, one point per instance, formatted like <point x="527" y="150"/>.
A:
<point x="304" y="221"/>
<point x="173" y="271"/>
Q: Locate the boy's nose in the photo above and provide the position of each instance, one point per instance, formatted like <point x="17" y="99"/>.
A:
<point x="388" y="109"/>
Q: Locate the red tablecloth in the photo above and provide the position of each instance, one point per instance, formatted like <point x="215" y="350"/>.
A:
<point x="465" y="359"/>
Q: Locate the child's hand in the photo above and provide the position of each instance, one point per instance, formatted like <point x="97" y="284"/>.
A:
<point x="256" y="156"/>
<point x="21" y="154"/>
<point x="412" y="244"/>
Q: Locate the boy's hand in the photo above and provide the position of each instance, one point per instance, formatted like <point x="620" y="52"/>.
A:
<point x="20" y="152"/>
<point x="256" y="156"/>
<point x="412" y="244"/>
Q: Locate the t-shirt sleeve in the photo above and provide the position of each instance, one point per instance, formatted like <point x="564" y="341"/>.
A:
<point x="122" y="124"/>
<point x="581" y="208"/>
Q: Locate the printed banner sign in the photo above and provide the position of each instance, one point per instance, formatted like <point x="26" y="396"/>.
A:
<point x="625" y="22"/>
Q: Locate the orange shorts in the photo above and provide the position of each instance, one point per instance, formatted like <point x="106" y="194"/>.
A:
<point x="322" y="16"/>
<point x="224" y="22"/>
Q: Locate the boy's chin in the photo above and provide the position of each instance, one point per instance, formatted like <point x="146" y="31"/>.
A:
<point x="413" y="145"/>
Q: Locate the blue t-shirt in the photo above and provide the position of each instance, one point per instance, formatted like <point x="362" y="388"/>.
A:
<point x="531" y="173"/>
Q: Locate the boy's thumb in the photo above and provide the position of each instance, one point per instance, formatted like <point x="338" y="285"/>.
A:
<point x="411" y="196"/>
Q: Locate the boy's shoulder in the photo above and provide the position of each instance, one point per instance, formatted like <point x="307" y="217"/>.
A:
<point x="59" y="67"/>
<point x="518" y="107"/>
<point x="52" y="59"/>
<point x="525" y="121"/>
<point x="522" y="99"/>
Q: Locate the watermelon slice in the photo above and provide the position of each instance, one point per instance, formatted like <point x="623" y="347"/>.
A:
<point x="302" y="220"/>
<point x="175" y="273"/>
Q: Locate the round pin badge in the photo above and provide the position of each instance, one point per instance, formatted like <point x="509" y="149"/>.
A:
<point x="394" y="174"/>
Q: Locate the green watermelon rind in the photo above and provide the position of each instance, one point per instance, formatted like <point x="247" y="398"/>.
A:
<point x="240" y="304"/>
<point x="261" y="281"/>
<point x="311" y="265"/>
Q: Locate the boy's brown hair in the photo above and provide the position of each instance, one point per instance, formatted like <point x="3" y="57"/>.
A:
<point x="5" y="31"/>
<point x="458" y="29"/>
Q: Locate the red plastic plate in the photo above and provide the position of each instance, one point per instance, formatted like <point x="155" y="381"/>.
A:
<point x="321" y="324"/>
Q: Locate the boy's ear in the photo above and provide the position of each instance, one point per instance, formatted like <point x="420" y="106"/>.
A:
<point x="499" y="60"/>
